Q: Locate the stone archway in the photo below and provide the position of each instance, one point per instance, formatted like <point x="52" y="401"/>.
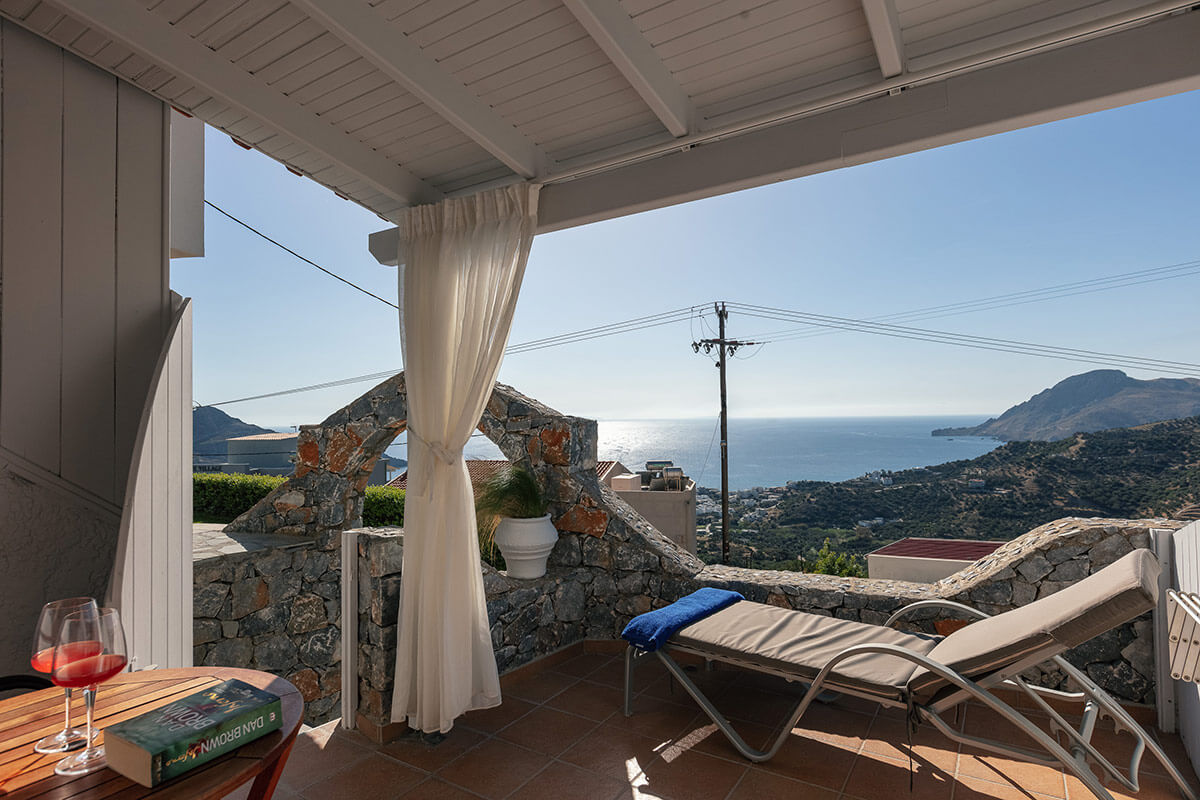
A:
<point x="336" y="457"/>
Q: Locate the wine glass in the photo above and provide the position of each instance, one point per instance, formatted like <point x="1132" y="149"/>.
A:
<point x="42" y="660"/>
<point x="90" y="651"/>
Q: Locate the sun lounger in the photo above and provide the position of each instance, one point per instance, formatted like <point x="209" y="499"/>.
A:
<point x="929" y="675"/>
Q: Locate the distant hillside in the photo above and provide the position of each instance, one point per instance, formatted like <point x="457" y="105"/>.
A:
<point x="1093" y="401"/>
<point x="211" y="427"/>
<point x="1150" y="470"/>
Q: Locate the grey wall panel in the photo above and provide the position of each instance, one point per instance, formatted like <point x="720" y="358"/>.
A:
<point x="84" y="312"/>
<point x="31" y="349"/>
<point x="89" y="269"/>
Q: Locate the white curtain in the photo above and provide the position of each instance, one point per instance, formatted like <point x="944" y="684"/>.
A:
<point x="462" y="261"/>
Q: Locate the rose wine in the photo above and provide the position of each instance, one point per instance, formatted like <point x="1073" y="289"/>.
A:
<point x="89" y="670"/>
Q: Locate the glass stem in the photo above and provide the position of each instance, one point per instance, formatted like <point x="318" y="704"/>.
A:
<point x="89" y="699"/>
<point x="67" y="711"/>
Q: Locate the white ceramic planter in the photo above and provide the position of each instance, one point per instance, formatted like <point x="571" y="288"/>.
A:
<point x="526" y="544"/>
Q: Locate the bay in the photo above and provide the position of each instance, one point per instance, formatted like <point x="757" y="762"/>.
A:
<point x="771" y="452"/>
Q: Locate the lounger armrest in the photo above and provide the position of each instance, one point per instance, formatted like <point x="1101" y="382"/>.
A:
<point x="973" y="613"/>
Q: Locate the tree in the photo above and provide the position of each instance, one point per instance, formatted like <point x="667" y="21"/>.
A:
<point x="830" y="562"/>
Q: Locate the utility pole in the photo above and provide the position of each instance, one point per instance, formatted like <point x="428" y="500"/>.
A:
<point x="725" y="347"/>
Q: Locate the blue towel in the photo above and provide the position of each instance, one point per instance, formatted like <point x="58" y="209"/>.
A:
<point x="651" y="630"/>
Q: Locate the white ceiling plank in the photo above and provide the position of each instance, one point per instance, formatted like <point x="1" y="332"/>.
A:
<point x="1157" y="59"/>
<point x="386" y="46"/>
<point x="884" y="23"/>
<point x="621" y="40"/>
<point x="126" y="22"/>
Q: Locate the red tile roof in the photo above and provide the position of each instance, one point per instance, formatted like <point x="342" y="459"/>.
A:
<point x="949" y="549"/>
<point x="480" y="469"/>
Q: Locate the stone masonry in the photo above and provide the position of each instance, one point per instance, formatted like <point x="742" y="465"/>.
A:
<point x="593" y="588"/>
<point x="276" y="608"/>
<point x="610" y="564"/>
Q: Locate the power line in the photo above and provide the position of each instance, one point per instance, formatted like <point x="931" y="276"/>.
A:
<point x="625" y="326"/>
<point x="965" y="340"/>
<point x="1090" y="286"/>
<point x="308" y="261"/>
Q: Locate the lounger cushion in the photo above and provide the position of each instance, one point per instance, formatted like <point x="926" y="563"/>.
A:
<point x="798" y="645"/>
<point x="1052" y="625"/>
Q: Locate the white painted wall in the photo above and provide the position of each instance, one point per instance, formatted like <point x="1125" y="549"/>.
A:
<point x="152" y="577"/>
<point x="187" y="186"/>
<point x="909" y="568"/>
<point x="672" y="513"/>
<point x="84" y="308"/>
<point x="1185" y="546"/>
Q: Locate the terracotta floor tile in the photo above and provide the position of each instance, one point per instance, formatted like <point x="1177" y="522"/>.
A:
<point x="540" y="687"/>
<point x="889" y="737"/>
<point x="434" y="789"/>
<point x="665" y="687"/>
<point x="590" y="700"/>
<point x="845" y="728"/>
<point x="491" y="720"/>
<point x="655" y="718"/>
<point x="313" y="757"/>
<point x="546" y="730"/>
<point x="1173" y="747"/>
<point x="374" y="778"/>
<point x="561" y="780"/>
<point x="876" y="776"/>
<point x="1023" y="774"/>
<point x="812" y="761"/>
<point x="704" y="737"/>
<point x="493" y="769"/>
<point x="616" y="752"/>
<point x="583" y="665"/>
<point x="975" y="789"/>
<point x="754" y="705"/>
<point x="281" y="793"/>
<point x="759" y="785"/>
<point x="412" y="750"/>
<point x="688" y="775"/>
<point x="1153" y="787"/>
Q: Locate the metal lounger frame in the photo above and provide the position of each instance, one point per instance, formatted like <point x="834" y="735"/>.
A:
<point x="1077" y="757"/>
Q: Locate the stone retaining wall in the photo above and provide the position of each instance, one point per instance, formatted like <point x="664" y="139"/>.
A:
<point x="595" y="585"/>
<point x="277" y="609"/>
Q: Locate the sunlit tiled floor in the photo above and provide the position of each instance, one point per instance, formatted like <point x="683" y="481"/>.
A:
<point x="560" y="734"/>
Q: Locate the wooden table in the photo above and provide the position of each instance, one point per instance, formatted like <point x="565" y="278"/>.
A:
<point x="26" y="718"/>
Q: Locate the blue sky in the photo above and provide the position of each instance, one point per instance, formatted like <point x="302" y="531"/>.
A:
<point x="1086" y="197"/>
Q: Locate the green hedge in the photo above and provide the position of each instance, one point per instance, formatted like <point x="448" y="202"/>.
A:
<point x="221" y="497"/>
<point x="383" y="505"/>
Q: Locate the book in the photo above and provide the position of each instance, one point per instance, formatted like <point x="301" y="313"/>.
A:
<point x="172" y="739"/>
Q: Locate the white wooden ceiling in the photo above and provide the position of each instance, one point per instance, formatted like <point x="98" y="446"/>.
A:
<point x="617" y="105"/>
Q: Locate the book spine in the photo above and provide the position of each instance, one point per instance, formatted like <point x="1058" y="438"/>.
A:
<point x="231" y="734"/>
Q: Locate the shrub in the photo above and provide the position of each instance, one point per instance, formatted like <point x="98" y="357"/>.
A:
<point x="830" y="562"/>
<point x="383" y="505"/>
<point x="222" y="496"/>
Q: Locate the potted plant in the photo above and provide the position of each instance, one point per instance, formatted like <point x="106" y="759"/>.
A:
<point x="523" y="532"/>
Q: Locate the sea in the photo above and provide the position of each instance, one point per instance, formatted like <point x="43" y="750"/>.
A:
<point x="771" y="452"/>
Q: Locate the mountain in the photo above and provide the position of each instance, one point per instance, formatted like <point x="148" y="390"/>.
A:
<point x="211" y="427"/>
<point x="1094" y="401"/>
<point x="1129" y="473"/>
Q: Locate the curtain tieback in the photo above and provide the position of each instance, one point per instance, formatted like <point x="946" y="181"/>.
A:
<point x="439" y="450"/>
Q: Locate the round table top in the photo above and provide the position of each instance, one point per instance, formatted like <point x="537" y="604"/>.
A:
<point x="28" y="717"/>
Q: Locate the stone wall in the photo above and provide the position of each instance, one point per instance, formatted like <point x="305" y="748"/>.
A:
<point x="610" y="564"/>
<point x="596" y="584"/>
<point x="276" y="609"/>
